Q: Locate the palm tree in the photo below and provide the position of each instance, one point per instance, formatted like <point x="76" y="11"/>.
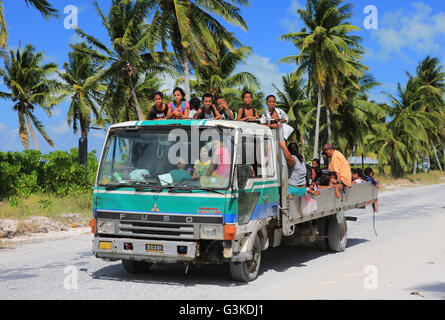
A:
<point x="221" y="77"/>
<point x="327" y="52"/>
<point x="292" y="99"/>
<point x="390" y="149"/>
<point x="430" y="79"/>
<point x="30" y="87"/>
<point x="82" y="79"/>
<point x="357" y="115"/>
<point x="42" y="6"/>
<point x="128" y="63"/>
<point x="412" y="126"/>
<point x="192" y="31"/>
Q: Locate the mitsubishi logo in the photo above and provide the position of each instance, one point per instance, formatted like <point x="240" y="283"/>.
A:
<point x="155" y="209"/>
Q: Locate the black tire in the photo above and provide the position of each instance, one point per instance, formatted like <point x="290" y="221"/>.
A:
<point x="132" y="266"/>
<point x="337" y="234"/>
<point x="322" y="242"/>
<point x="248" y="270"/>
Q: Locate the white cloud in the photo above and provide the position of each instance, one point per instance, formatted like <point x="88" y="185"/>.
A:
<point x="98" y="134"/>
<point x="56" y="112"/>
<point x="417" y="30"/>
<point x="3" y="126"/>
<point x="168" y="83"/>
<point x="267" y="72"/>
<point x="60" y="129"/>
<point x="292" y="21"/>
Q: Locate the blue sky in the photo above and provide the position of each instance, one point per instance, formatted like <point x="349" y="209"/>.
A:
<point x="407" y="32"/>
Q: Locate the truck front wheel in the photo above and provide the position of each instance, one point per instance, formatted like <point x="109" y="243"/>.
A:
<point x="248" y="270"/>
<point x="132" y="266"/>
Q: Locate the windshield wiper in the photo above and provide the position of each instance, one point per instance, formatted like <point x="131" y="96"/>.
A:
<point x="138" y="185"/>
<point x="194" y="188"/>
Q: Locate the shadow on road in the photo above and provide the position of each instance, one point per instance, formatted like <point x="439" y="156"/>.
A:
<point x="277" y="259"/>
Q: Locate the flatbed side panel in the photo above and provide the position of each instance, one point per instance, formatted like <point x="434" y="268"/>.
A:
<point x="358" y="196"/>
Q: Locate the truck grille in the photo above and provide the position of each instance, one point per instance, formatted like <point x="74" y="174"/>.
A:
<point x="156" y="230"/>
<point x="157" y="226"/>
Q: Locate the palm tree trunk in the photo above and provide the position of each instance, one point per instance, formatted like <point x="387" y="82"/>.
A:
<point x="302" y="149"/>
<point x="83" y="128"/>
<point x="415" y="165"/>
<point x="328" y="123"/>
<point x="135" y="100"/>
<point x="437" y="158"/>
<point x="429" y="163"/>
<point x="443" y="157"/>
<point x="317" y="123"/>
<point x="186" y="77"/>
<point x="33" y="135"/>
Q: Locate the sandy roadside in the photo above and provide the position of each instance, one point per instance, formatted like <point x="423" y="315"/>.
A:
<point x="52" y="235"/>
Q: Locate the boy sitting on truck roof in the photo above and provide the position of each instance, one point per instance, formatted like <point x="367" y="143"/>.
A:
<point x="247" y="112"/>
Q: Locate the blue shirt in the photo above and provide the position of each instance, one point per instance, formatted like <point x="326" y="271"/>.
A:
<point x="371" y="179"/>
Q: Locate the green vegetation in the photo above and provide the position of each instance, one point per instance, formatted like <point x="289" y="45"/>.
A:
<point x="36" y="184"/>
<point x="30" y="172"/>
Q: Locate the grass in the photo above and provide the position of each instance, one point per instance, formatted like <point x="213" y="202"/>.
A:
<point x="45" y="205"/>
<point x="411" y="180"/>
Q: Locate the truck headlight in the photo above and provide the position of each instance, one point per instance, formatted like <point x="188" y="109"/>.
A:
<point x="212" y="232"/>
<point x="105" y="227"/>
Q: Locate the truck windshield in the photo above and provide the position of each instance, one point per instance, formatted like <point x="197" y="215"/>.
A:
<point x="160" y="157"/>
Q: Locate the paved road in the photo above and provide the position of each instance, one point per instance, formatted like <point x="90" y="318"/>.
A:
<point x="405" y="261"/>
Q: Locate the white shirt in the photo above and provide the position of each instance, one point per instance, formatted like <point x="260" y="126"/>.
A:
<point x="281" y="114"/>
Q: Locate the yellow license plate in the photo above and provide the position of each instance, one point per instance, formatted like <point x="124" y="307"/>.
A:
<point x="105" y="245"/>
<point x="154" y="247"/>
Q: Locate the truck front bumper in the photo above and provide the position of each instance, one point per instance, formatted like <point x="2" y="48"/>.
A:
<point x="154" y="251"/>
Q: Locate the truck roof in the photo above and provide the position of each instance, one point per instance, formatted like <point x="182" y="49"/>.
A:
<point x="208" y="123"/>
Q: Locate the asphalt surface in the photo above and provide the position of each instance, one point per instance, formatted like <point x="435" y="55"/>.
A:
<point x="405" y="260"/>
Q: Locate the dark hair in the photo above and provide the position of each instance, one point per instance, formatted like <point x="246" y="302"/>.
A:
<point x="158" y="93"/>
<point x="360" y="173"/>
<point x="220" y="97"/>
<point x="333" y="174"/>
<point x="271" y="96"/>
<point x="324" y="180"/>
<point x="368" y="171"/>
<point x="293" y="149"/>
<point x="317" y="161"/>
<point x="246" y="92"/>
<point x="208" y="95"/>
<point x="181" y="91"/>
<point x="195" y="103"/>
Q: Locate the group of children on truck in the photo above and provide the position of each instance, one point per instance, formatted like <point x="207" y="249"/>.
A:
<point x="330" y="180"/>
<point x="212" y="108"/>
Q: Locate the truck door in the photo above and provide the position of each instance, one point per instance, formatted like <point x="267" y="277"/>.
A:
<point x="256" y="179"/>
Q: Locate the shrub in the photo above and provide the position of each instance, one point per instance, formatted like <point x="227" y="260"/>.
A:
<point x="30" y="172"/>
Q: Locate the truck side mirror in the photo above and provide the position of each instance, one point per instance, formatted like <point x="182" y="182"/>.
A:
<point x="83" y="151"/>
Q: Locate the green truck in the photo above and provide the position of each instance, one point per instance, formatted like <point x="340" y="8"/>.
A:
<point x="206" y="192"/>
